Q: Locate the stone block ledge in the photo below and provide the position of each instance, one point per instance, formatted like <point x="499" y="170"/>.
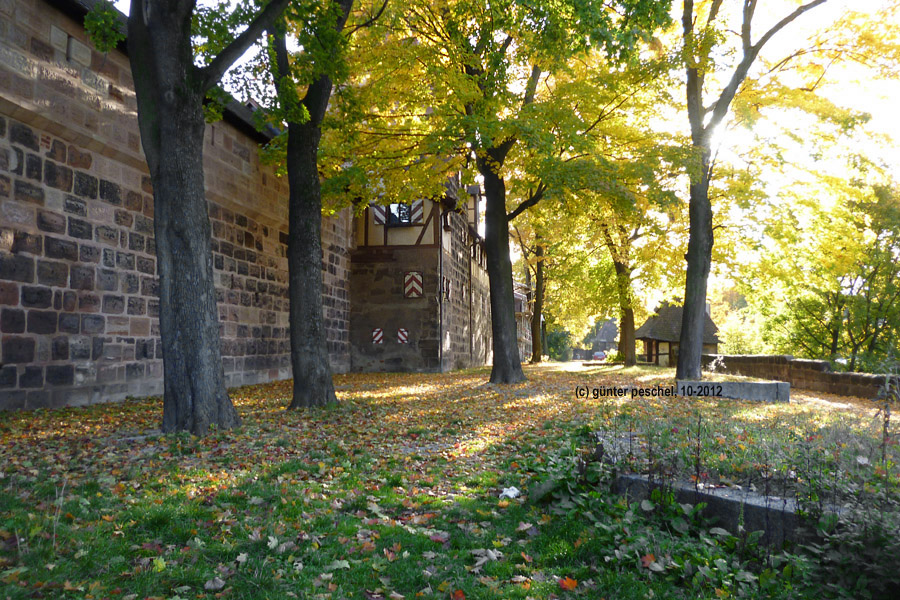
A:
<point x="756" y="391"/>
<point x="731" y="509"/>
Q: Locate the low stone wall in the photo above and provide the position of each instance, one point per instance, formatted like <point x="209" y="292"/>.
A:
<point x="734" y="510"/>
<point x="754" y="391"/>
<point x="815" y="375"/>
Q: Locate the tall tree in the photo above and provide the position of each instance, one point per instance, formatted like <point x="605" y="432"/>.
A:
<point x="830" y="288"/>
<point x="321" y="43"/>
<point x="170" y="87"/>
<point x="479" y="68"/>
<point x="533" y="259"/>
<point x="611" y="220"/>
<point x="537" y="311"/>
<point x="699" y="45"/>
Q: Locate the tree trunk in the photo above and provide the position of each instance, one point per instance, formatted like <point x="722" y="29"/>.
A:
<point x="835" y="339"/>
<point x="310" y="366"/>
<point x="309" y="353"/>
<point x="703" y="122"/>
<point x="544" y="335"/>
<point x="507" y="365"/>
<point x="171" y="121"/>
<point x="699" y="254"/>
<point x="626" y="313"/>
<point x="626" y="336"/>
<point x="853" y="355"/>
<point x="538" y="311"/>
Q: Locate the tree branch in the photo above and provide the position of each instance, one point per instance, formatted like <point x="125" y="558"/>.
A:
<point x="751" y="51"/>
<point x="529" y="202"/>
<point x="282" y="66"/>
<point x="213" y="72"/>
<point x="786" y="21"/>
<point x="531" y="86"/>
<point x="713" y="12"/>
<point x="694" y="79"/>
<point x="371" y="21"/>
<point x="746" y="23"/>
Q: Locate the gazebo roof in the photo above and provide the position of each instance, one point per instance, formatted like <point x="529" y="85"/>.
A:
<point x="665" y="326"/>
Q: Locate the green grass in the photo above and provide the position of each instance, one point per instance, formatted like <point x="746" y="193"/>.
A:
<point x="395" y="490"/>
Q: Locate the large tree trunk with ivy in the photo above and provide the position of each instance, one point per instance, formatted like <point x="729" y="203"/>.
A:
<point x="507" y="364"/>
<point x="313" y="385"/>
<point x="170" y="90"/>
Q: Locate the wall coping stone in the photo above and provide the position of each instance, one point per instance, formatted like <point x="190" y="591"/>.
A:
<point x="756" y="391"/>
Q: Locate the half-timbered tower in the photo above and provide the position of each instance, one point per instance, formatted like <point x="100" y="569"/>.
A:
<point x="419" y="291"/>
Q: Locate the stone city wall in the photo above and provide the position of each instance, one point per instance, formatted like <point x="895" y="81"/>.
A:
<point x="467" y="312"/>
<point x="78" y="289"/>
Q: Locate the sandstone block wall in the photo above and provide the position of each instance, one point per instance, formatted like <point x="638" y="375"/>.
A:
<point x="78" y="289"/>
<point x="813" y="375"/>
<point x="467" y="312"/>
<point x="377" y="301"/>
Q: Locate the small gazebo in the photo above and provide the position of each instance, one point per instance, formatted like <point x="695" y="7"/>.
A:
<point x="662" y="332"/>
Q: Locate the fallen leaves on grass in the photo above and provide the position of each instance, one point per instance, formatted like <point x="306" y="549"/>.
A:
<point x="568" y="584"/>
<point x="298" y="497"/>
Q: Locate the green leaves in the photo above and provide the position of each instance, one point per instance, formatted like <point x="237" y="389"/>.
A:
<point x="827" y="279"/>
<point x="105" y="26"/>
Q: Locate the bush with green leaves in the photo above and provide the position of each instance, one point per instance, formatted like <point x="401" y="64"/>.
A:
<point x="660" y="538"/>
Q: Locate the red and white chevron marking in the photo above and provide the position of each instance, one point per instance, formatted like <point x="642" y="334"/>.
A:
<point x="402" y="336"/>
<point x="412" y="284"/>
<point x="379" y="213"/>
<point x="378" y="336"/>
<point x="417" y="211"/>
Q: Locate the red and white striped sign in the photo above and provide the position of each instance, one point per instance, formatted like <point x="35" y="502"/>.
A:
<point x="412" y="284"/>
<point x="417" y="211"/>
<point x="381" y="213"/>
<point x="378" y="336"/>
<point x="402" y="336"/>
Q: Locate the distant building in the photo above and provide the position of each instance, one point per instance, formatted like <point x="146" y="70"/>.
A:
<point x="523" y="319"/>
<point x="662" y="331"/>
<point x="419" y="293"/>
<point x="604" y="336"/>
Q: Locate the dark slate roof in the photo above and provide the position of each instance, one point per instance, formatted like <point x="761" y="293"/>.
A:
<point x="665" y="326"/>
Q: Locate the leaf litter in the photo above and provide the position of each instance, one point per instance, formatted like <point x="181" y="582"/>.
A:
<point x="402" y="477"/>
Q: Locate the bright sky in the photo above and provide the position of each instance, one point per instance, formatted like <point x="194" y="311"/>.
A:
<point x="850" y="85"/>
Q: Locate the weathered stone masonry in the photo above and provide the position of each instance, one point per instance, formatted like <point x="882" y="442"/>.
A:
<point x="78" y="289"/>
<point x="447" y="326"/>
<point x="815" y="375"/>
